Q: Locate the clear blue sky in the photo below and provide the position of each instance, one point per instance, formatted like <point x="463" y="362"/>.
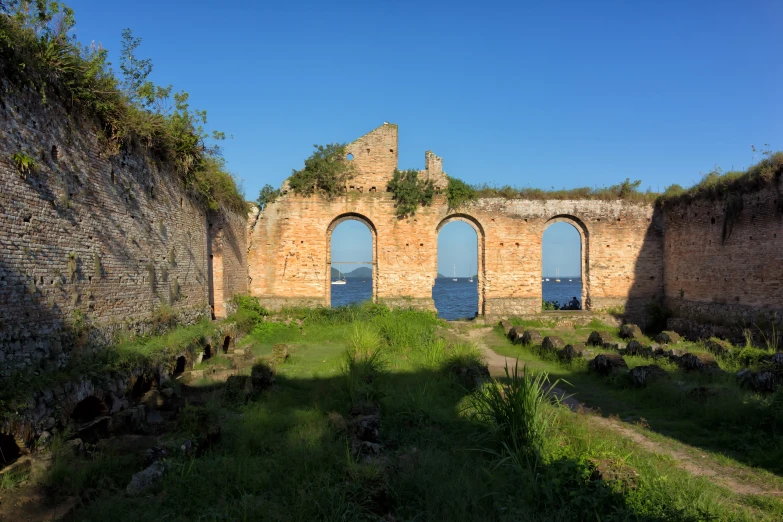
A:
<point x="545" y="94"/>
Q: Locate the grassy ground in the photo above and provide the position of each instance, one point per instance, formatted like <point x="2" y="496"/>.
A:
<point x="740" y="425"/>
<point x="286" y="454"/>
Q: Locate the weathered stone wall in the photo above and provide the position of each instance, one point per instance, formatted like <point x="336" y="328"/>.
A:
<point x="110" y="237"/>
<point x="740" y="280"/>
<point x="289" y="258"/>
<point x="228" y="253"/>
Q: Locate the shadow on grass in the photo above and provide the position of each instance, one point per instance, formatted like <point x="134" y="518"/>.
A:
<point x="286" y="455"/>
<point x="707" y="411"/>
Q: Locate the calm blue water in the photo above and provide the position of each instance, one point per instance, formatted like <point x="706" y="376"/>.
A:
<point x="355" y="291"/>
<point x="563" y="291"/>
<point x="453" y="299"/>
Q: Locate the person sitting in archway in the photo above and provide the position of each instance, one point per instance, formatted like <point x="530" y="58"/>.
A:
<point x="573" y="304"/>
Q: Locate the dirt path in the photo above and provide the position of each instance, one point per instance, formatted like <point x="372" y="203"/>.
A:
<point x="740" y="481"/>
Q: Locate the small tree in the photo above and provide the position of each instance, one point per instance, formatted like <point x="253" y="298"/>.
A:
<point x="326" y="171"/>
<point x="409" y="191"/>
<point x="267" y="196"/>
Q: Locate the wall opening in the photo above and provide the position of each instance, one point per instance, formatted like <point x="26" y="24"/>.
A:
<point x="351" y="264"/>
<point x="88" y="410"/>
<point x="456" y="288"/>
<point x="140" y="387"/>
<point x="207" y="352"/>
<point x="9" y="450"/>
<point x="561" y="267"/>
<point x="226" y="344"/>
<point x="179" y="368"/>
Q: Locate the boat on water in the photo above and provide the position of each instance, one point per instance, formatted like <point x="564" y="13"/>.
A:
<point x="547" y="279"/>
<point x="557" y="275"/>
<point x="455" y="273"/>
<point x="340" y="279"/>
<point x="470" y="279"/>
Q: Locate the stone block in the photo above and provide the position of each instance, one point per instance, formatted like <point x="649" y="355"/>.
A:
<point x="630" y="331"/>
<point x="531" y="338"/>
<point x="597" y="338"/>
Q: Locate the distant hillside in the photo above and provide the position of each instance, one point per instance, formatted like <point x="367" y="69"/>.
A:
<point x="363" y="272"/>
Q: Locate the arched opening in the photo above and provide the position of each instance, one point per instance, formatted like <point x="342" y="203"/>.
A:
<point x="562" y="265"/>
<point x="179" y="367"/>
<point x="350" y="261"/>
<point x="226" y="344"/>
<point x="456" y="291"/>
<point x="141" y="386"/>
<point x="207" y="352"/>
<point x="88" y="410"/>
<point x="9" y="450"/>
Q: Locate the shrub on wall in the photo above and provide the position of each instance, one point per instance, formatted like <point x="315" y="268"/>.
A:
<point x="409" y="191"/>
<point x="326" y="172"/>
<point x="459" y="193"/>
<point x="267" y="196"/>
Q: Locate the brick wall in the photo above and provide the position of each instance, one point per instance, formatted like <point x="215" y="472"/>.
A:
<point x="228" y="251"/>
<point x="741" y="280"/>
<point x="105" y="234"/>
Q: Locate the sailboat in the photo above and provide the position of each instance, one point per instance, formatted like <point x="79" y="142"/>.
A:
<point x="340" y="279"/>
<point x="470" y="279"/>
<point x="557" y="275"/>
<point x="455" y="273"/>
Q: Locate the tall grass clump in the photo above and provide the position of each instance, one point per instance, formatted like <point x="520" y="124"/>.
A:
<point x="362" y="375"/>
<point x="463" y="355"/>
<point x="519" y="412"/>
<point x="363" y="339"/>
<point x="407" y="329"/>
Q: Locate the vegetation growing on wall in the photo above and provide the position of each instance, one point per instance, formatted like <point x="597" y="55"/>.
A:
<point x="409" y="191"/>
<point x="267" y="196"/>
<point x="24" y="163"/>
<point x="716" y="185"/>
<point x="37" y="51"/>
<point x="326" y="172"/>
<point x="627" y="191"/>
<point x="459" y="193"/>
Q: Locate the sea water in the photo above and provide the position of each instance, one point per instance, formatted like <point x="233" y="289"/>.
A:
<point x="454" y="299"/>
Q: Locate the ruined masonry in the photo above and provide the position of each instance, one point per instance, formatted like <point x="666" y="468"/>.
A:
<point x="289" y="257"/>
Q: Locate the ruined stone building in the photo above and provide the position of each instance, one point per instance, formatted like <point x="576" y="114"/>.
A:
<point x="110" y="239"/>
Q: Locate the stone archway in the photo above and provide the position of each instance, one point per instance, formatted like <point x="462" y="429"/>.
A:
<point x="584" y="239"/>
<point x="374" y="236"/>
<point x="479" y="229"/>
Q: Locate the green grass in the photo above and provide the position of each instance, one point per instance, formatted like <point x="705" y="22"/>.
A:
<point x="736" y="424"/>
<point x="286" y="454"/>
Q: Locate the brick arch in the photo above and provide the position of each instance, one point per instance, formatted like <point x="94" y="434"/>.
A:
<point x="475" y="224"/>
<point x="374" y="238"/>
<point x="584" y="251"/>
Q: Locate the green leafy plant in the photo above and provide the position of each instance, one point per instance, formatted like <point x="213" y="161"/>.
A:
<point x="267" y="196"/>
<point x="326" y="172"/>
<point x="459" y="193"/>
<point x="409" y="191"/>
<point x="24" y="163"/>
